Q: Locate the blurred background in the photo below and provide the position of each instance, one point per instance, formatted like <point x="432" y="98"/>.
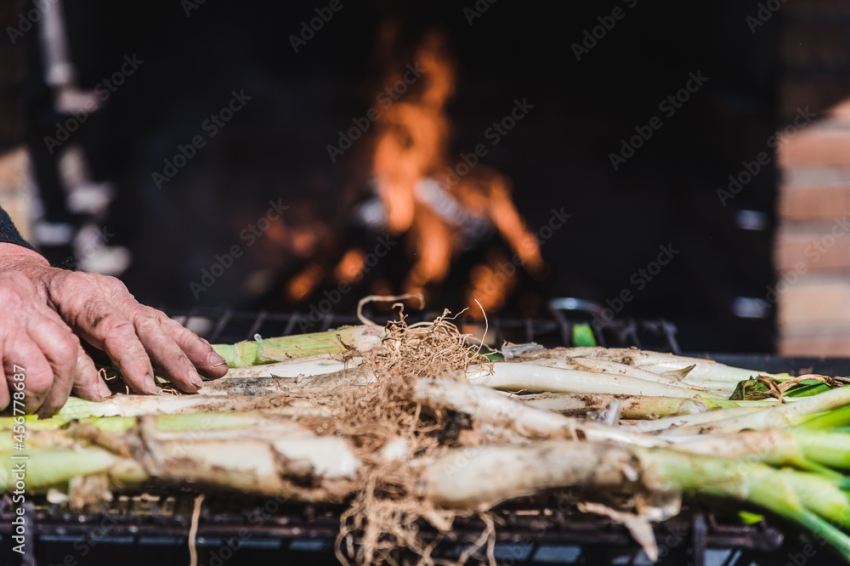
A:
<point x="661" y="160"/>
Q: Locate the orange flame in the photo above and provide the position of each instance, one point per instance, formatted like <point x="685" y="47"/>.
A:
<point x="412" y="146"/>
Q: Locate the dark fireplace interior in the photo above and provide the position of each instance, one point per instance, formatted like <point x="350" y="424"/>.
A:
<point x="619" y="182"/>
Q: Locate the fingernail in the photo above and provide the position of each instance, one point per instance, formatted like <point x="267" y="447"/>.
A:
<point x="104" y="390"/>
<point x="216" y="361"/>
<point x="150" y="386"/>
<point x="195" y="379"/>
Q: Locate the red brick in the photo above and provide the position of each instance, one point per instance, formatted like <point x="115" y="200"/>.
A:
<point x="802" y="202"/>
<point x="816" y="248"/>
<point x="815" y="147"/>
<point x="812" y="303"/>
<point x="832" y="345"/>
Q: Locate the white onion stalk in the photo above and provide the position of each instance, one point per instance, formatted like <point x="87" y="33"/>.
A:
<point x="671" y="424"/>
<point x="362" y="339"/>
<point x="140" y="405"/>
<point x="243" y="452"/>
<point x="656" y="362"/>
<point x="813" y="451"/>
<point x="614" y="368"/>
<point x="216" y="439"/>
<point x="488" y="406"/>
<point x="305" y="386"/>
<point x="704" y="370"/>
<point x="516" y="376"/>
<point x="632" y="407"/>
<point x="455" y="480"/>
<point x="791" y="414"/>
<point x="316" y="365"/>
<point x="573" y="404"/>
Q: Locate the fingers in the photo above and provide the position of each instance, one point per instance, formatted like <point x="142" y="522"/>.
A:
<point x="42" y="359"/>
<point x="88" y="384"/>
<point x="198" y="350"/>
<point x="103" y="312"/>
<point x="40" y="354"/>
<point x="167" y="355"/>
<point x="103" y="327"/>
<point x="5" y="394"/>
<point x="72" y="367"/>
<point x="28" y="374"/>
<point x="59" y="347"/>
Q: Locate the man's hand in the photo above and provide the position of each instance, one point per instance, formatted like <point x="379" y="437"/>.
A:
<point x="45" y="311"/>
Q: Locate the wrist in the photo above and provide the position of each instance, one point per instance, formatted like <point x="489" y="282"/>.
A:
<point x="15" y="257"/>
<point x="26" y="262"/>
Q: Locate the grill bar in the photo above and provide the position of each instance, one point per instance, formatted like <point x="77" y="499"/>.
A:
<point x="226" y="325"/>
<point x="165" y="523"/>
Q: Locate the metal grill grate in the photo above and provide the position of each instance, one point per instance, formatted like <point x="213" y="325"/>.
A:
<point x="226" y="325"/>
<point x="148" y="528"/>
<point x="138" y="529"/>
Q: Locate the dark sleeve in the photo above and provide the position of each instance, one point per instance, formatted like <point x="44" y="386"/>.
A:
<point x="8" y="232"/>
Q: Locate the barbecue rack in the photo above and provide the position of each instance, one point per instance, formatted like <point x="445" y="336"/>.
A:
<point x="153" y="527"/>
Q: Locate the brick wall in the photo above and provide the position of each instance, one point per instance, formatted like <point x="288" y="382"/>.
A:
<point x="812" y="252"/>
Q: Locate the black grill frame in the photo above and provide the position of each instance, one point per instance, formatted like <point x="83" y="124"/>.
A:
<point x="306" y="532"/>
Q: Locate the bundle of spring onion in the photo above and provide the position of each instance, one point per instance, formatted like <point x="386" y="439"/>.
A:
<point x="407" y="423"/>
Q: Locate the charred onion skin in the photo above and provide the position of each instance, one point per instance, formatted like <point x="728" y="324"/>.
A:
<point x="409" y="423"/>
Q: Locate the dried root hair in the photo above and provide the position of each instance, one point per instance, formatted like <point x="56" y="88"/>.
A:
<point x="382" y="523"/>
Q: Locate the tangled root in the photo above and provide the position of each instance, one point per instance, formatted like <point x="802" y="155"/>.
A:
<point x="384" y="516"/>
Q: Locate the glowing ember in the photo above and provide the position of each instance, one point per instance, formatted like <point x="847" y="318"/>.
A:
<point x="433" y="210"/>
